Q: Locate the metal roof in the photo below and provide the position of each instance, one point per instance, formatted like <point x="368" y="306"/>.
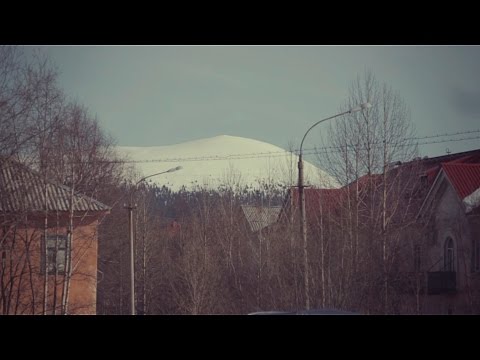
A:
<point x="465" y="178"/>
<point x="259" y="217"/>
<point x="22" y="189"/>
<point x="434" y="165"/>
<point x="328" y="198"/>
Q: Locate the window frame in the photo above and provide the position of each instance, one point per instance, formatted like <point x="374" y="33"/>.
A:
<point x="53" y="245"/>
<point x="449" y="255"/>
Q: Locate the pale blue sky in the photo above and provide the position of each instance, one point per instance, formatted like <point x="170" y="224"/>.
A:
<point x="161" y="95"/>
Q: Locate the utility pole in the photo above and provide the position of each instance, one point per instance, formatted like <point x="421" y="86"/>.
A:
<point x="303" y="230"/>
<point x="301" y="196"/>
<point x="130" y="209"/>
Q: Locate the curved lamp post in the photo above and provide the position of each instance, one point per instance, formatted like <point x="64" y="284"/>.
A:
<point x="301" y="196"/>
<point x="130" y="208"/>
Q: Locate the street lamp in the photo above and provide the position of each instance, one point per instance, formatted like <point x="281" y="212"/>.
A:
<point x="130" y="208"/>
<point x="301" y="196"/>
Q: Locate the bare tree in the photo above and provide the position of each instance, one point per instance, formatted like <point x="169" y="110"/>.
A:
<point x="364" y="149"/>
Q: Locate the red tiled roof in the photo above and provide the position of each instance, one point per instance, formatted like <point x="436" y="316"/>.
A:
<point x="365" y="181"/>
<point x="465" y="178"/>
<point x="470" y="157"/>
<point x="328" y="198"/>
<point x="331" y="199"/>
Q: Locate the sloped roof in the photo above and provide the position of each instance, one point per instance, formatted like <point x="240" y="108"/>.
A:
<point x="465" y="178"/>
<point x="463" y="174"/>
<point x="434" y="164"/>
<point x="323" y="200"/>
<point x="259" y="217"/>
<point x="22" y="189"/>
<point x="327" y="198"/>
<point x="471" y="156"/>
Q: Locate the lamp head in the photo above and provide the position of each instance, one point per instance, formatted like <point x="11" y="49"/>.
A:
<point x="174" y="169"/>
<point x="360" y="107"/>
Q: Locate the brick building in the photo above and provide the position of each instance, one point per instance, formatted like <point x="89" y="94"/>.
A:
<point x="48" y="245"/>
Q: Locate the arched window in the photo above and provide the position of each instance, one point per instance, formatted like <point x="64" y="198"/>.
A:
<point x="449" y="258"/>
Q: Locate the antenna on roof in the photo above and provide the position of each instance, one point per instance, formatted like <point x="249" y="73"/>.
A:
<point x="448" y="151"/>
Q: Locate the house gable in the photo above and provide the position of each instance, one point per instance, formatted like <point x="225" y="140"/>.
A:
<point x="260" y="217"/>
<point x="465" y="178"/>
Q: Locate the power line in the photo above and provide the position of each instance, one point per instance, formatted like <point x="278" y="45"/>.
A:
<point x="322" y="150"/>
<point x="309" y="151"/>
<point x="445" y="134"/>
<point x="404" y="144"/>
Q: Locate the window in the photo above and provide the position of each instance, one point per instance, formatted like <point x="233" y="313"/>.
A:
<point x="56" y="253"/>
<point x="449" y="258"/>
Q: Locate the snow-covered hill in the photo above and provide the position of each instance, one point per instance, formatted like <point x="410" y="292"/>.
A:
<point x="222" y="160"/>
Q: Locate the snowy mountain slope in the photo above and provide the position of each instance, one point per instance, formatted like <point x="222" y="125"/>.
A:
<point x="223" y="160"/>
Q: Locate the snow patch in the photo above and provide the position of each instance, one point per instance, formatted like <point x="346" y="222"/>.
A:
<point x="472" y="201"/>
<point x="224" y="161"/>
